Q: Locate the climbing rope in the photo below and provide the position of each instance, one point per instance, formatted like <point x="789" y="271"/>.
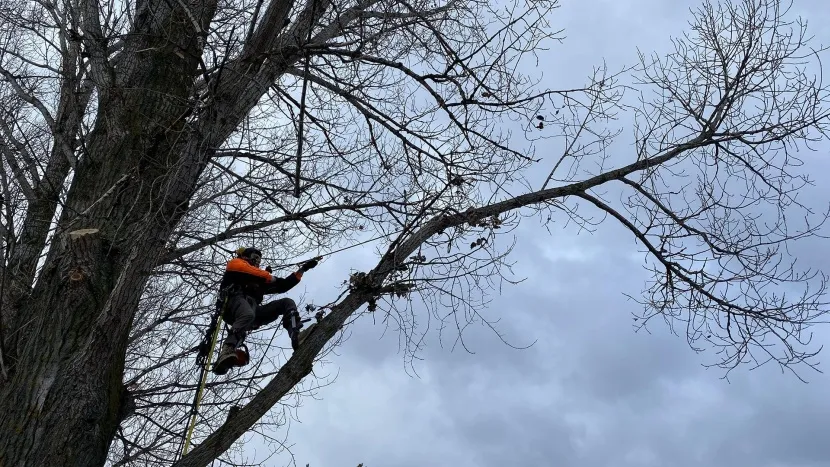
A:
<point x="205" y="362"/>
<point x="347" y="247"/>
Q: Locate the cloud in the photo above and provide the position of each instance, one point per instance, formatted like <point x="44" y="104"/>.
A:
<point x="591" y="392"/>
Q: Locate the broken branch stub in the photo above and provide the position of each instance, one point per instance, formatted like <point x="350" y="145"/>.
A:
<point x="83" y="247"/>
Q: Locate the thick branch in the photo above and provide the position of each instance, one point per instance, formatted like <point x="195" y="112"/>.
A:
<point x="299" y="365"/>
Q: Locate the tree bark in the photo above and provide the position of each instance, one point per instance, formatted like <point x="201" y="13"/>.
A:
<point x="61" y="402"/>
<point x="59" y="407"/>
<point x="69" y="330"/>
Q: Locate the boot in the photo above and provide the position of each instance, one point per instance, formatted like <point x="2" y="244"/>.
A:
<point x="227" y="359"/>
<point x="292" y="323"/>
<point x="295" y="341"/>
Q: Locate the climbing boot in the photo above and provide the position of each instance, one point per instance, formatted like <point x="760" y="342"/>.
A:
<point x="227" y="359"/>
<point x="294" y="335"/>
<point x="292" y="323"/>
<point x="242" y="355"/>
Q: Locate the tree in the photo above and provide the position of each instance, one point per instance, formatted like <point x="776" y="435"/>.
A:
<point x="143" y="141"/>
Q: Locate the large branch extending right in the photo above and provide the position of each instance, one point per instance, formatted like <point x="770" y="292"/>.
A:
<point x="299" y="365"/>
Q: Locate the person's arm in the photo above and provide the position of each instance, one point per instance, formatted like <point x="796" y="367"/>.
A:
<point x="284" y="284"/>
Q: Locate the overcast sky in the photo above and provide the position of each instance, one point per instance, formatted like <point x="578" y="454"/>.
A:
<point x="591" y="392"/>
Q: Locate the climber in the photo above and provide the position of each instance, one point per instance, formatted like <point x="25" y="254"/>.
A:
<point x="242" y="289"/>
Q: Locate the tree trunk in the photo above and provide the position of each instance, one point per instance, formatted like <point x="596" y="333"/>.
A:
<point x="139" y="166"/>
<point x="69" y="331"/>
<point x="61" y="405"/>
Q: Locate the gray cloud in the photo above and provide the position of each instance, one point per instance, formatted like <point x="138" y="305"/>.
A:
<point x="591" y="392"/>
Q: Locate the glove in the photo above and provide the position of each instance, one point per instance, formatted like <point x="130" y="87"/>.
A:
<point x="310" y="264"/>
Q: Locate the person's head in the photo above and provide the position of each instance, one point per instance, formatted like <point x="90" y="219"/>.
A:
<point x="251" y="255"/>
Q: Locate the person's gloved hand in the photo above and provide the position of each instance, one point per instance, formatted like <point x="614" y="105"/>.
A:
<point x="310" y="264"/>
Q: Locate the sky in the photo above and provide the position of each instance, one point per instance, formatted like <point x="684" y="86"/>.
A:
<point x="591" y="392"/>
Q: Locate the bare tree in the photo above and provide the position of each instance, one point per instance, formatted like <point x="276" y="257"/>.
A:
<point x="143" y="141"/>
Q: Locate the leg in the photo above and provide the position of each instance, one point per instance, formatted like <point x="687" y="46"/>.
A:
<point x="268" y="313"/>
<point x="286" y="308"/>
<point x="242" y="311"/>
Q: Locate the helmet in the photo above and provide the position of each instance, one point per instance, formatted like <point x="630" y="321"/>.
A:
<point x="250" y="253"/>
<point x="246" y="252"/>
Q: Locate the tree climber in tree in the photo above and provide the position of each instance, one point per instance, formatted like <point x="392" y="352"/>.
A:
<point x="242" y="290"/>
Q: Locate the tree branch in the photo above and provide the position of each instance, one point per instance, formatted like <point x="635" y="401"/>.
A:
<point x="300" y="363"/>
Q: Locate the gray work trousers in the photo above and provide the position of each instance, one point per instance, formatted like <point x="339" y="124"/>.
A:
<point x="243" y="314"/>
